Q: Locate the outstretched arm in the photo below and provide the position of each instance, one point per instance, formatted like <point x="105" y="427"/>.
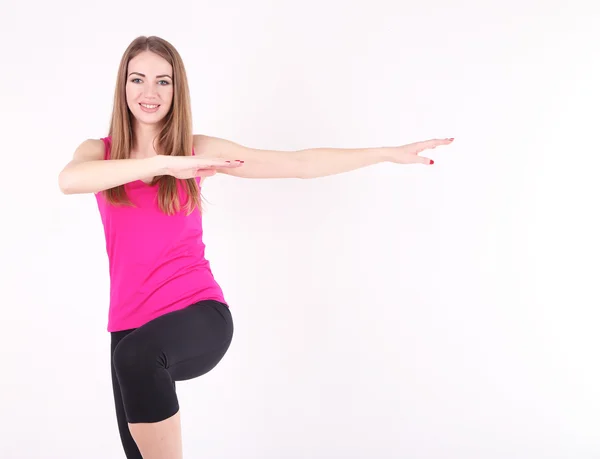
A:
<point x="308" y="163"/>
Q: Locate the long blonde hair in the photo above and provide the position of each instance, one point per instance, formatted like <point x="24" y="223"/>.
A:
<point x="175" y="137"/>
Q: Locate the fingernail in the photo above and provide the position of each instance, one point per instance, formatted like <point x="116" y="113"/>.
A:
<point x="431" y="161"/>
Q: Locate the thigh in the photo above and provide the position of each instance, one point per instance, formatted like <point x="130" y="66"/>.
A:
<point x="189" y="342"/>
<point x="129" y="446"/>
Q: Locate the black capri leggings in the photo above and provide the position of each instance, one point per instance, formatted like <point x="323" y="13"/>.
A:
<point x="146" y="362"/>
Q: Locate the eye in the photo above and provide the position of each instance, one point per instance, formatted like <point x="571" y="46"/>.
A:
<point x="165" y="82"/>
<point x="135" y="79"/>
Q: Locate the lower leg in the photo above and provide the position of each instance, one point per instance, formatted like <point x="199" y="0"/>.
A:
<point x="159" y="440"/>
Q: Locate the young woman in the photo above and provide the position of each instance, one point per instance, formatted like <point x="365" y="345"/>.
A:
<point x="168" y="317"/>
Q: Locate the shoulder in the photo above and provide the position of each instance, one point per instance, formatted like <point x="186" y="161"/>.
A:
<point x="91" y="149"/>
<point x="94" y="144"/>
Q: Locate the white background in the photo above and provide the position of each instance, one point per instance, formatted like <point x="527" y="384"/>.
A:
<point x="395" y="311"/>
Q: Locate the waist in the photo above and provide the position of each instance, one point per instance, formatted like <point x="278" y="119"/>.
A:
<point x="160" y="287"/>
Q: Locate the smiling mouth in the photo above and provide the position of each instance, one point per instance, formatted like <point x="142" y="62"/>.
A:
<point x="149" y="107"/>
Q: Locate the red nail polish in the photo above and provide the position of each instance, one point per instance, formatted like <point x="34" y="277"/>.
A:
<point x="431" y="161"/>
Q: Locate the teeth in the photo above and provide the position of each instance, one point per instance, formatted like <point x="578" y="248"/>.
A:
<point x="149" y="106"/>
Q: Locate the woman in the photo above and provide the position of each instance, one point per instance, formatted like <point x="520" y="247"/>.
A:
<point x="168" y="318"/>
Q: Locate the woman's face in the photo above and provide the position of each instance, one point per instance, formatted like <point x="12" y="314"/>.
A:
<point x="149" y="87"/>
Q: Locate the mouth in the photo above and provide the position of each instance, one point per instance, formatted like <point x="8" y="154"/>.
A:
<point x="149" y="108"/>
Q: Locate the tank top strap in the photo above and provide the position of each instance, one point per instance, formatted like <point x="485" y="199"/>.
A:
<point x="107" y="143"/>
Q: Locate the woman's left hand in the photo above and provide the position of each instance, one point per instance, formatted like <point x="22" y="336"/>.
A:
<point x="409" y="154"/>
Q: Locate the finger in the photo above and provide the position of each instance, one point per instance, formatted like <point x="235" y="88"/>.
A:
<point x="423" y="160"/>
<point x="437" y="142"/>
<point x="235" y="163"/>
<point x="225" y="165"/>
<point x="213" y="162"/>
<point x="432" y="143"/>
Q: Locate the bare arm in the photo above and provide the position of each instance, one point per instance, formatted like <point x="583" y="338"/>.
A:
<point x="300" y="164"/>
<point x="88" y="172"/>
<point x="310" y="162"/>
<point x="257" y="163"/>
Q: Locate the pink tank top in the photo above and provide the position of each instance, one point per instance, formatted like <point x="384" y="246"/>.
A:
<point x="156" y="261"/>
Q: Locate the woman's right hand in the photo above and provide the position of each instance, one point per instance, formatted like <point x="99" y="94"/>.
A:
<point x="186" y="167"/>
<point x="89" y="172"/>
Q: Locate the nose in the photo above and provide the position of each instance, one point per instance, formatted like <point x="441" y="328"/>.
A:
<point x="150" y="91"/>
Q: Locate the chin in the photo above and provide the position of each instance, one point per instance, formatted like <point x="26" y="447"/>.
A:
<point x="149" y="118"/>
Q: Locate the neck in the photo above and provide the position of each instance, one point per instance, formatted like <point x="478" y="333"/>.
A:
<point x="144" y="139"/>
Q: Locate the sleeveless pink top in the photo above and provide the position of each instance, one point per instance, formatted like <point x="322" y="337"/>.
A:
<point x="156" y="261"/>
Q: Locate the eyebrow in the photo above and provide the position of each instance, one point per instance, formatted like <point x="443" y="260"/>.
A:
<point x="157" y="76"/>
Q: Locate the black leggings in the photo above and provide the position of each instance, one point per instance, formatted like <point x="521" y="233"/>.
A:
<point x="146" y="362"/>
